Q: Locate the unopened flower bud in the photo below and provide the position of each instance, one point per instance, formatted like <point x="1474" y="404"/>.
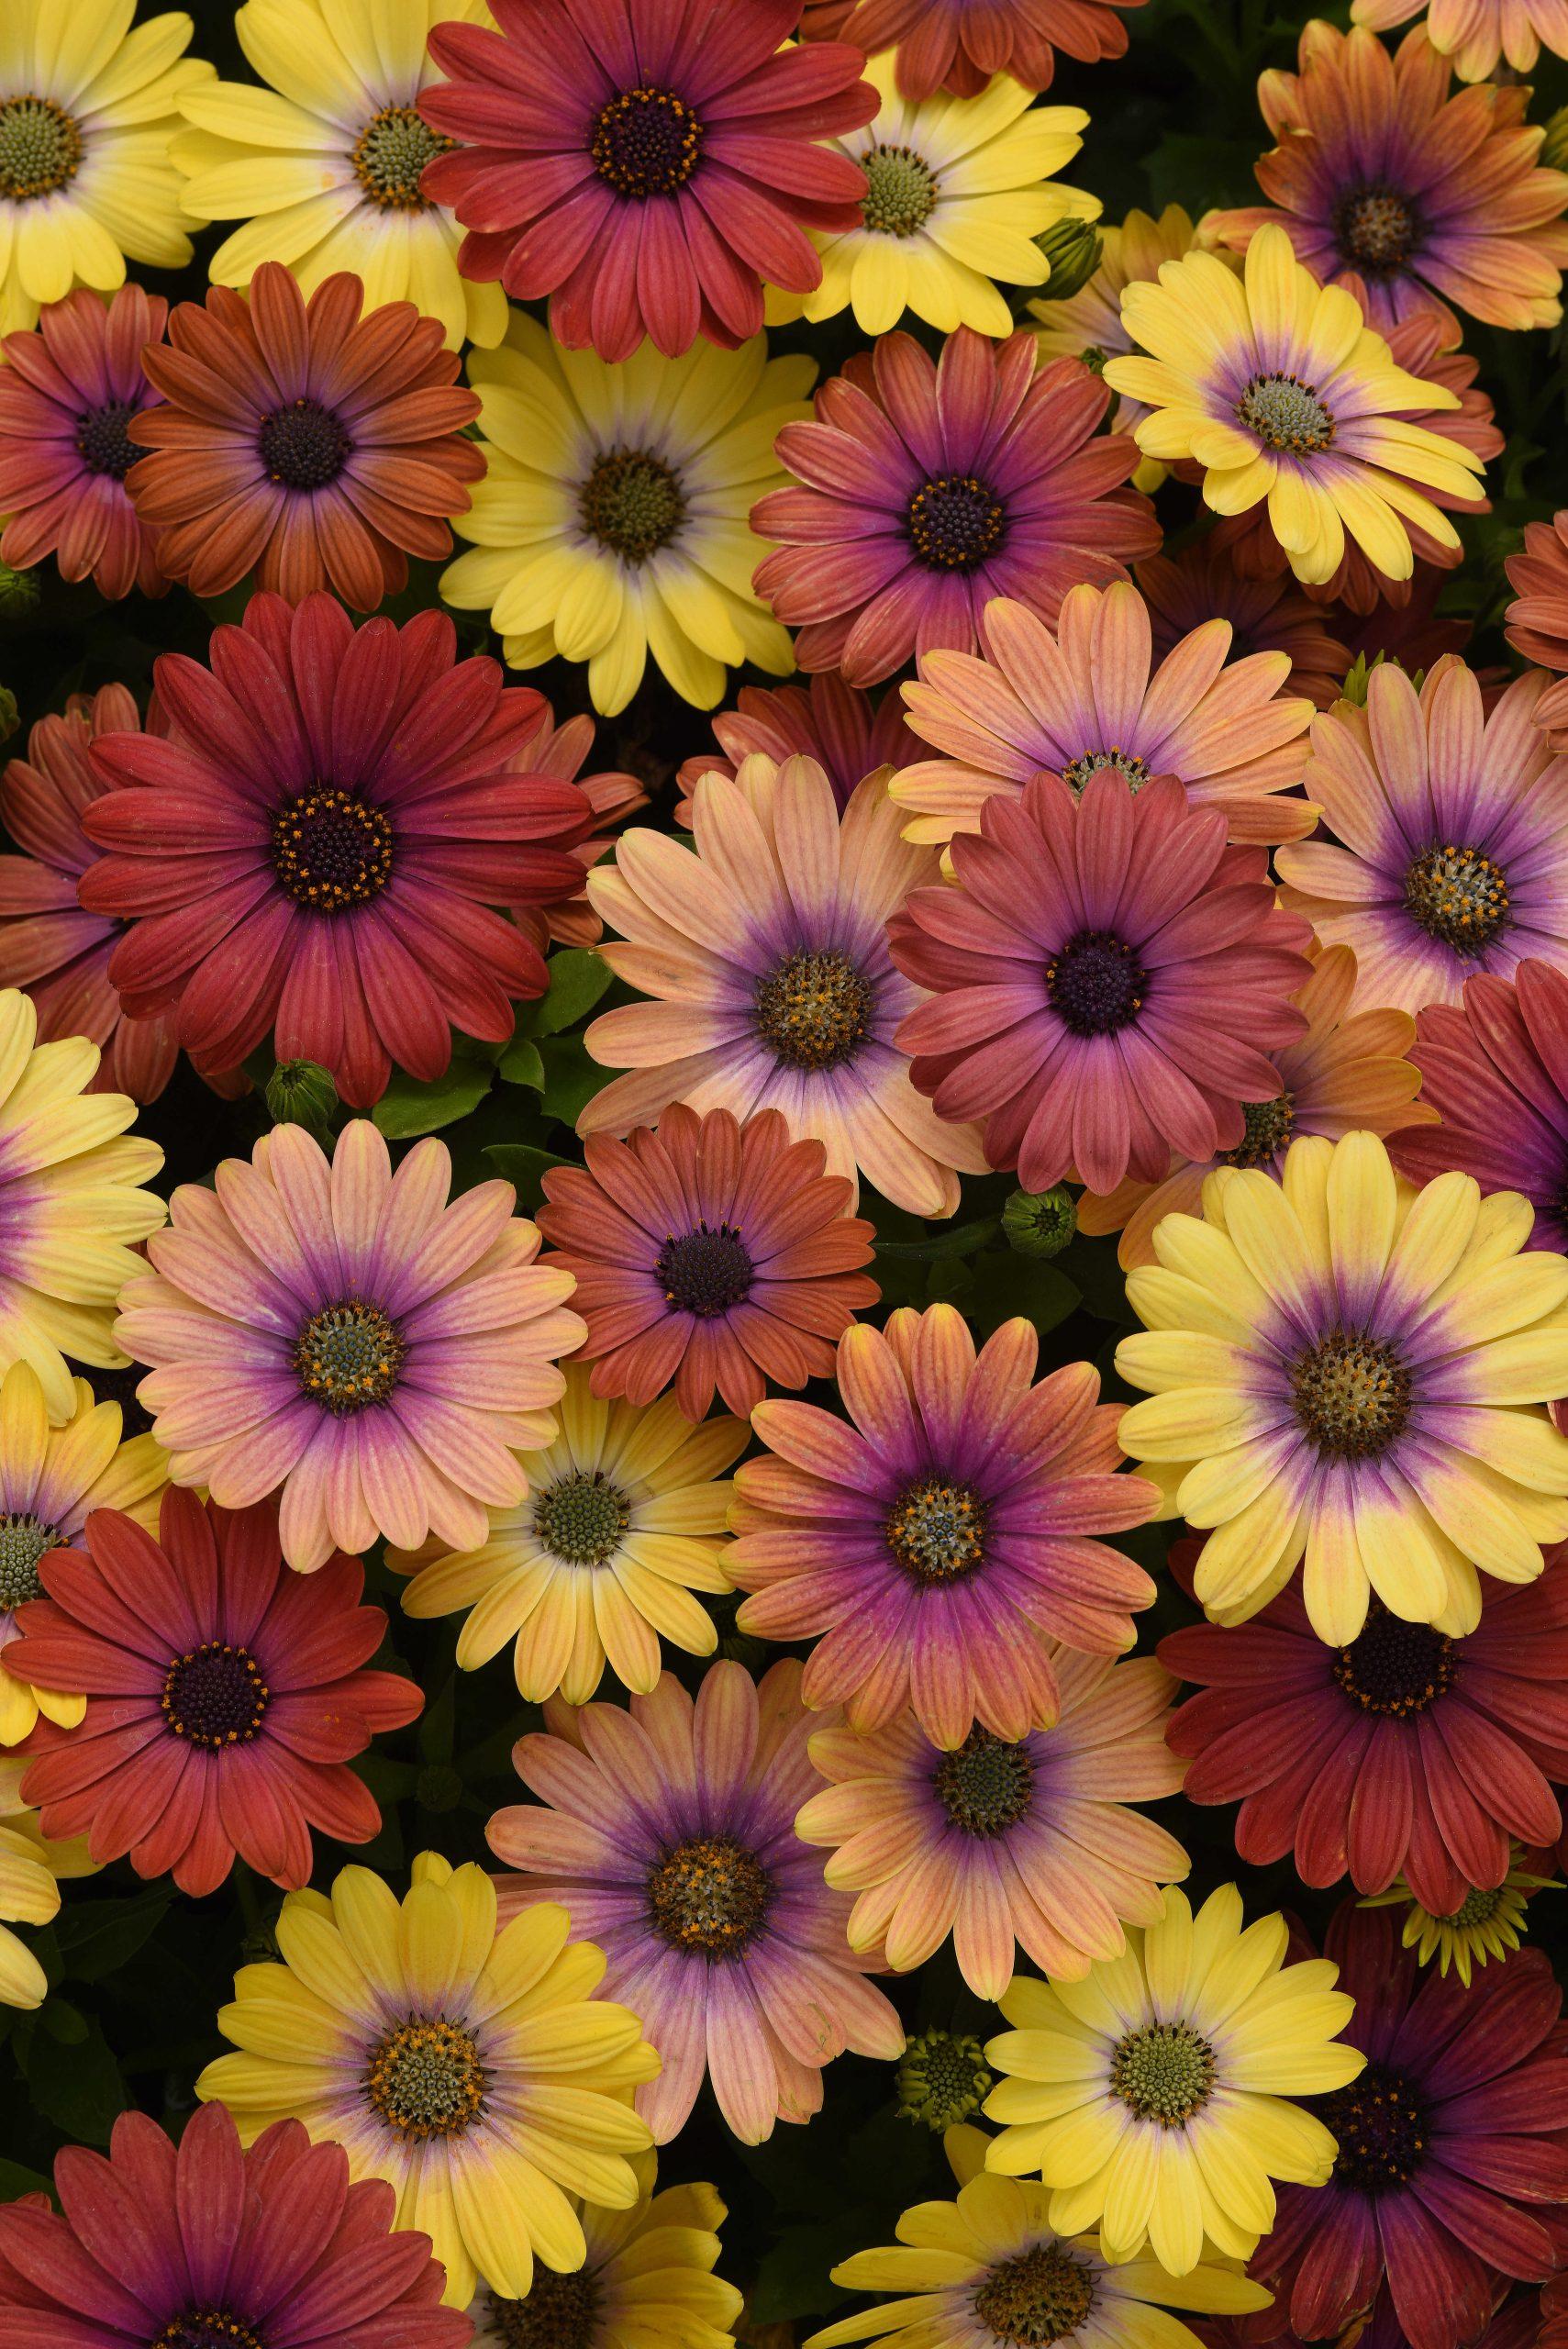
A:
<point x="1040" y="1223"/>
<point x="1073" y="249"/>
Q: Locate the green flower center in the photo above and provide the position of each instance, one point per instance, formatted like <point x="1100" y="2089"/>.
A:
<point x="348" y="1357"/>
<point x="1268" y="1129"/>
<point x="954" y="521"/>
<point x="1477" y="1908"/>
<point x="390" y="154"/>
<point x="985" y="1786"/>
<point x="1392" y="1668"/>
<point x="646" y="142"/>
<point x="1376" y="230"/>
<point x="1381" y="2125"/>
<point x="207" y="2329"/>
<point x="943" y="2080"/>
<point x="901" y="190"/>
<point x="814" y="1010"/>
<point x="705" y="1273"/>
<point x="710" y="1894"/>
<point x="424" y="2079"/>
<point x="561" y="2311"/>
<point x="1038" y="2298"/>
<point x="1286" y="414"/>
<point x="25" y="1541"/>
<point x="1123" y="763"/>
<point x="214" y="1697"/>
<point x="632" y="503"/>
<point x="330" y="850"/>
<point x="936" y="1530"/>
<point x="40" y="148"/>
<point x="1458" y="896"/>
<point x="582" y="1519"/>
<point x="1164" y="2073"/>
<point x="1351" y="1394"/>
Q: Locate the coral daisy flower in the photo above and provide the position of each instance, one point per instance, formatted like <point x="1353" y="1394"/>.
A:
<point x="1407" y="195"/>
<point x="927" y="487"/>
<point x="1454" y="824"/>
<point x="1151" y="2097"/>
<point x="667" y="1831"/>
<point x="467" y="2064"/>
<point x="323" y="164"/>
<point x="715" y="1255"/>
<point x="1203" y="582"/>
<point x="302" y="440"/>
<point x="70" y="1205"/>
<point x="32" y="1871"/>
<point x="1108" y="981"/>
<point x="1476" y="34"/>
<point x="767" y="951"/>
<point x="155" y="2247"/>
<point x="945" y="1539"/>
<point x="49" y="944"/>
<point x="1344" y="1371"/>
<point x="1488" y="1922"/>
<point x="559" y="752"/>
<point x="1270" y="384"/>
<point x="1088" y="696"/>
<point x="1454" y="2129"/>
<point x="848" y="734"/>
<point x="87" y="102"/>
<point x="622" y="1523"/>
<point x="1538" y="619"/>
<point x="226" y="1695"/>
<point x="315" y="848"/>
<point x="1348" y="1072"/>
<point x="1029" y="1843"/>
<point x="953" y="43"/>
<point x="67" y="393"/>
<point x="611" y="522"/>
<point x="385" y="1355"/>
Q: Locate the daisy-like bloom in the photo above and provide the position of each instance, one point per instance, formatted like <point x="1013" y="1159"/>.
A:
<point x="1108" y="981"/>
<point x="226" y="1695"/>
<point x="559" y="752"/>
<point x="1204" y="582"/>
<point x="989" y="2271"/>
<point x="384" y="1356"/>
<point x="209" y="2245"/>
<point x="1406" y="194"/>
<point x="1406" y="1753"/>
<point x="1345" y="1372"/>
<point x="1487" y="1923"/>
<point x="611" y="522"/>
<point x="72" y="1207"/>
<point x="32" y="1871"/>
<point x="67" y="393"/>
<point x="315" y="848"/>
<point x="1278" y="387"/>
<point x="303" y="441"/>
<point x="49" y="944"/>
<point x="87" y="104"/>
<point x="715" y="1255"/>
<point x="944" y="1540"/>
<point x="667" y="1834"/>
<point x="1454" y="822"/>
<point x="848" y="734"/>
<point x="927" y="487"/>
<point x="1087" y="695"/>
<point x="648" y="2276"/>
<point x="623" y="1521"/>
<point x="766" y="953"/>
<point x="644" y="166"/>
<point x="1495" y="1070"/>
<point x="1029" y="1843"/>
<point x="951" y="44"/>
<point x="1152" y="2095"/>
<point x="1475" y="34"/>
<point x="323" y="164"/>
<point x="1348" y="1072"/>
<point x="1538" y="619"/>
<point x="1457" y="2126"/>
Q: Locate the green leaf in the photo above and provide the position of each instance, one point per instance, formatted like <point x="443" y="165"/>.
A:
<point x="524" y="1167"/>
<point x="79" y="2088"/>
<point x="571" y="1079"/>
<point x="96" y="1937"/>
<point x="578" y="977"/>
<point x="15" y="2180"/>
<point x="520" y="1063"/>
<point x="406" y="1108"/>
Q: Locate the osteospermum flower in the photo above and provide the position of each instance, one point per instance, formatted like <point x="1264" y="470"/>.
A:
<point x="87" y="103"/>
<point x="468" y="2064"/>
<point x="70" y="1205"/>
<point x="559" y="753"/>
<point x="1477" y="34"/>
<point x="1089" y="324"/>
<point x="950" y="43"/>
<point x="385" y="1355"/>
<point x="644" y="166"/>
<point x="611" y="522"/>
<point x="1538" y="619"/>
<point x="315" y="848"/>
<point x="1487" y="1923"/>
<point x="1152" y="2097"/>
<point x="1088" y="696"/>
<point x="304" y="441"/>
<point x="1108" y="981"/>
<point x="667" y="1834"/>
<point x="848" y="734"/>
<point x="622" y="1523"/>
<point x="32" y="1871"/>
<point x="1278" y="389"/>
<point x="927" y="487"/>
<point x="945" y="1539"/>
<point x="715" y="1255"/>
<point x="781" y="993"/>
<point x="1408" y="197"/>
<point x="1029" y="1843"/>
<point x="1343" y="1375"/>
<point x="1495" y="1074"/>
<point x="1202" y="582"/>
<point x="323" y="164"/>
<point x="1454" y="824"/>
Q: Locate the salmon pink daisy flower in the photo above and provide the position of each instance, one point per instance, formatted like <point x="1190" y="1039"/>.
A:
<point x="844" y="730"/>
<point x="951" y="44"/>
<point x="1204" y="582"/>
<point x="1477" y="35"/>
<point x="1538" y="619"/>
<point x="1495" y="1072"/>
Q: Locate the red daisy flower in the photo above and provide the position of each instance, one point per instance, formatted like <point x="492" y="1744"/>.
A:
<point x="1538" y="619"/>
<point x="848" y="734"/>
<point x="303" y="441"/>
<point x="956" y="45"/>
<point x="646" y="164"/>
<point x="1275" y="614"/>
<point x="558" y="753"/>
<point x="226" y="1695"/>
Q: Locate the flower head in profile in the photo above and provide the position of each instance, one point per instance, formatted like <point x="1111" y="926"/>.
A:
<point x="32" y="1869"/>
<point x="1204" y="582"/>
<point x="1476" y="35"/>
<point x="843" y="730"/>
<point x="1538" y="618"/>
<point x="1488" y="1923"/>
<point x="947" y="44"/>
<point x="1494" y="1076"/>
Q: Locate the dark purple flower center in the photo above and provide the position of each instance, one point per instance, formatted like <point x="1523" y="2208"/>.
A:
<point x="705" y="1272"/>
<point x="305" y="445"/>
<point x="710" y="1896"/>
<point x="815" y="1009"/>
<point x="632" y="502"/>
<point x="390" y="154"/>
<point x="1163" y="2072"/>
<point x="582" y="1519"/>
<point x="40" y="148"/>
<point x="985" y="1786"/>
<point x="1376" y="230"/>
<point x="330" y="850"/>
<point x="1458" y="896"/>
<point x="1267" y="1131"/>
<point x="646" y="142"/>
<point x="1133" y="770"/>
<point x="1394" y="1667"/>
<point x="1037" y="2298"/>
<point x="1351" y="1394"/>
<point x="1382" y="2127"/>
<point x="561" y="2311"/>
<point x="935" y="1530"/>
<point x="955" y="522"/>
<point x="25" y="1541"/>
<point x="424" y="2079"/>
<point x="1286" y="414"/>
<point x="214" y="1697"/>
<point x="348" y="1357"/>
<point x="102" y="441"/>
<point x="207" y="2329"/>
<point x="1096" y="984"/>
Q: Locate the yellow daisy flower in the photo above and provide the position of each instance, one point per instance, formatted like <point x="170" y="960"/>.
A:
<point x="1487" y="1923"/>
<point x="958" y="189"/>
<point x="1280" y="389"/>
<point x="623" y="1519"/>
<point x="323" y="165"/>
<point x="475" y="2071"/>
<point x="49" y="1479"/>
<point x="88" y="108"/>
<point x="32" y="1871"/>
<point x="612" y="521"/>
<point x="1152" y="2097"/>
<point x="70" y="1206"/>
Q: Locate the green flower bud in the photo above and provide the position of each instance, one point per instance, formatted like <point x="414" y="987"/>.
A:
<point x="941" y="2080"/>
<point x="1073" y="249"/>
<point x="19" y="593"/>
<point x="1553" y="152"/>
<point x="9" y="722"/>
<point x="1359" y="675"/>
<point x="301" y="1094"/>
<point x="1040" y="1223"/>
